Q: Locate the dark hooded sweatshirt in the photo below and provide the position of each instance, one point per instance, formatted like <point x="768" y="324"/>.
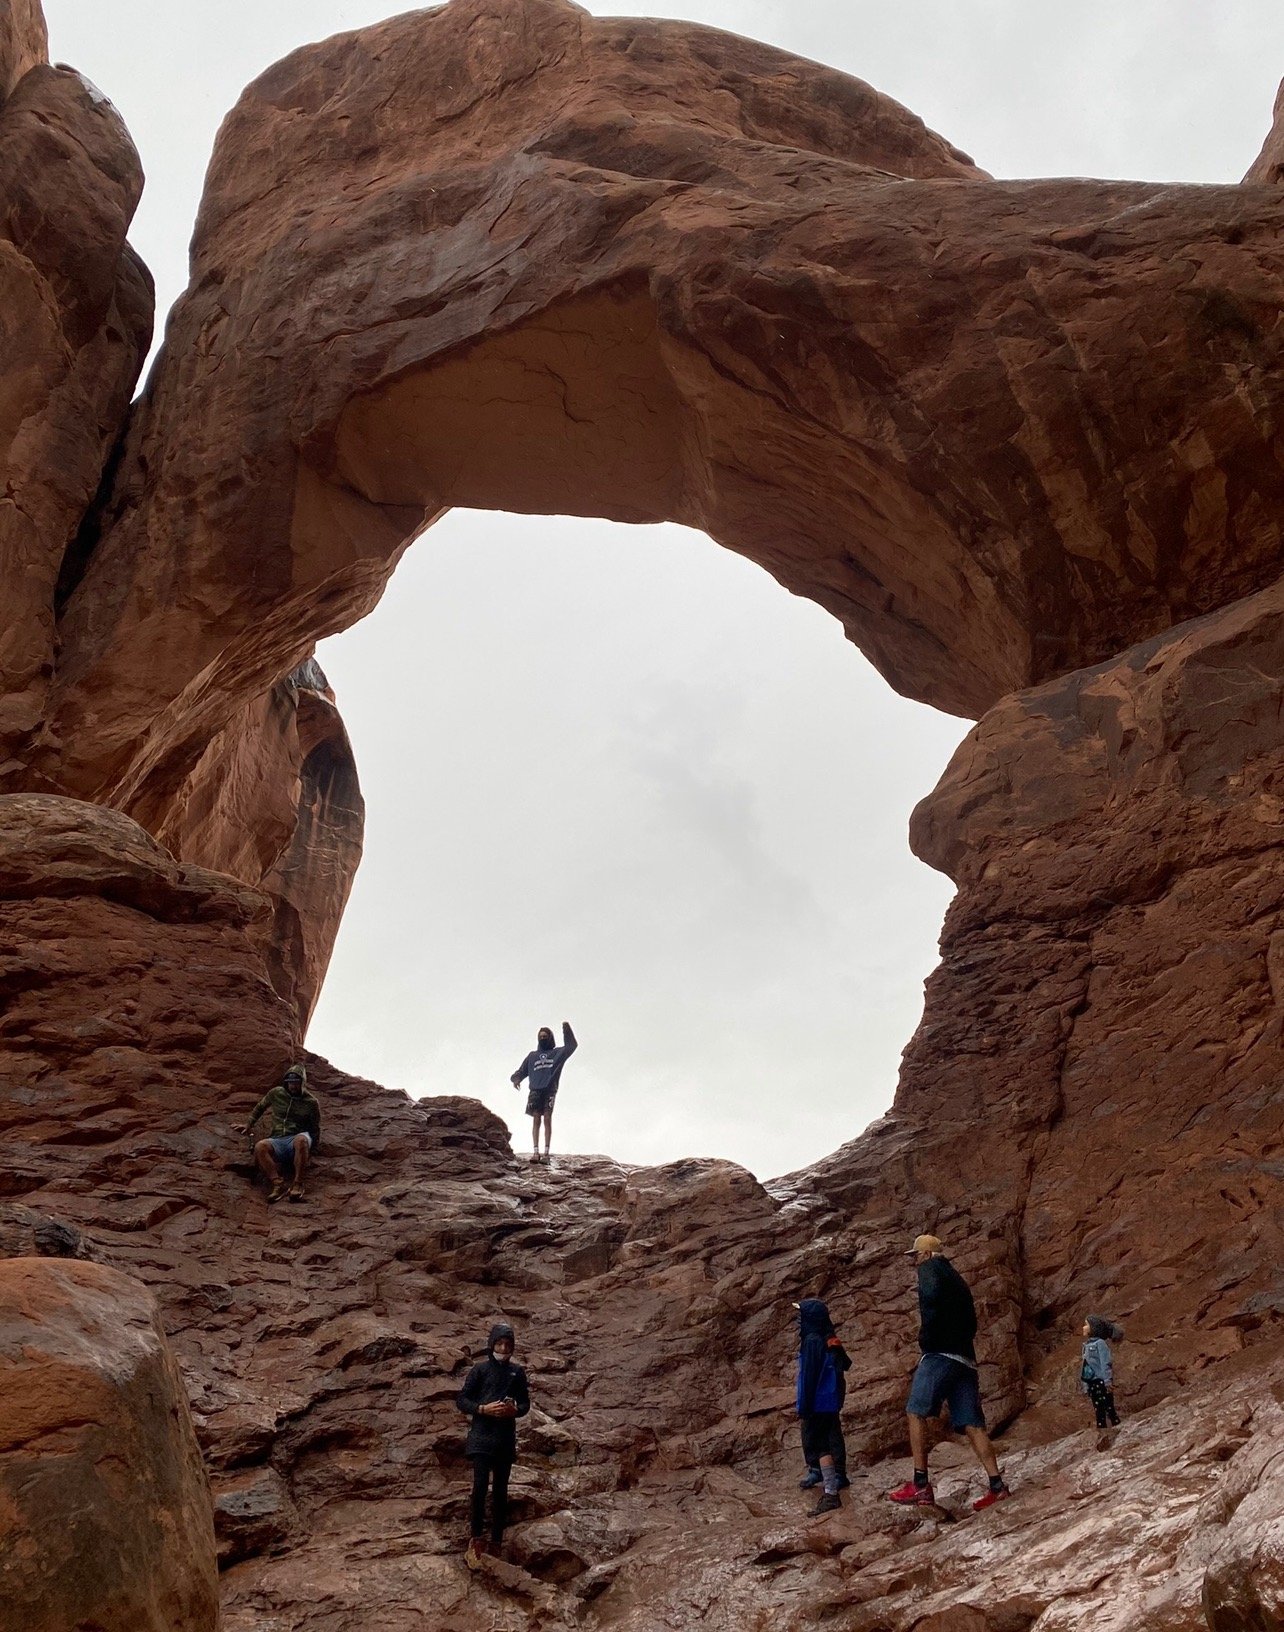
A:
<point x="822" y="1360"/>
<point x="947" y="1315"/>
<point x="293" y="1110"/>
<point x="487" y="1382"/>
<point x="544" y="1066"/>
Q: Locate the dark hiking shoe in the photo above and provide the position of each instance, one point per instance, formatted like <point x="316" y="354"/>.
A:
<point x="826" y="1504"/>
<point x="294" y="1193"/>
<point x="475" y="1552"/>
<point x="912" y="1495"/>
<point x="811" y="1479"/>
<point x="990" y="1497"/>
<point x="276" y="1192"/>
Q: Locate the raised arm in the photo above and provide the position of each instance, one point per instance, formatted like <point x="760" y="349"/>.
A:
<point x="569" y="1045"/>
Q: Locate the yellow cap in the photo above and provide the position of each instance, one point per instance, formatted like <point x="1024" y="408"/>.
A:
<point x="925" y="1243"/>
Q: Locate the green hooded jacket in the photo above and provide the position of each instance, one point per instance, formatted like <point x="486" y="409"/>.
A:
<point x="293" y="1111"/>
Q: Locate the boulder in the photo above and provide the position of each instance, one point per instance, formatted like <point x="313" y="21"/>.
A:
<point x="107" y="1512"/>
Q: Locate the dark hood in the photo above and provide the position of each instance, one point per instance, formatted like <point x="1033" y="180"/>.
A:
<point x="813" y="1318"/>
<point x="1099" y="1326"/>
<point x="498" y="1332"/>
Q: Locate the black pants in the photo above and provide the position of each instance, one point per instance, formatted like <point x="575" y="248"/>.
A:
<point x="822" y="1435"/>
<point x="1103" y="1401"/>
<point x="488" y="1470"/>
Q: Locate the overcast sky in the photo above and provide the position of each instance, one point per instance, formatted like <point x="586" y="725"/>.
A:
<point x="618" y="775"/>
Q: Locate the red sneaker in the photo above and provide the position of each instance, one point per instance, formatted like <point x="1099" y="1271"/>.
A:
<point x="990" y="1497"/>
<point x="912" y="1495"/>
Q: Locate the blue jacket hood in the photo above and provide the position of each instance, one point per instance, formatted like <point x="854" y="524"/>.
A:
<point x="813" y="1319"/>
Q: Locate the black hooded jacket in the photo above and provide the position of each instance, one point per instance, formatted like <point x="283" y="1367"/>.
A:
<point x="488" y="1381"/>
<point x="947" y="1315"/>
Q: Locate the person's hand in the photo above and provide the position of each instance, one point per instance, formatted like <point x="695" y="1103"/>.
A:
<point x="497" y="1408"/>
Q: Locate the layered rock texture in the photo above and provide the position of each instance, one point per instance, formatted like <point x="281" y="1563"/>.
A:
<point x="107" y="1515"/>
<point x="1023" y="439"/>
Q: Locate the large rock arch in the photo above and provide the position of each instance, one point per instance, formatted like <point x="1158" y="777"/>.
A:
<point x="552" y="262"/>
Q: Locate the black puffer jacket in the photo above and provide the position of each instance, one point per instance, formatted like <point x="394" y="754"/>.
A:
<point x="487" y="1382"/>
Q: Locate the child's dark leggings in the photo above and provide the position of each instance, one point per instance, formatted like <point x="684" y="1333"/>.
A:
<point x="485" y="1470"/>
<point x="1103" y="1401"/>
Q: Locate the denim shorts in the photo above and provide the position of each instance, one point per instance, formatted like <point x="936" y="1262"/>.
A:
<point x="282" y="1147"/>
<point x="938" y="1382"/>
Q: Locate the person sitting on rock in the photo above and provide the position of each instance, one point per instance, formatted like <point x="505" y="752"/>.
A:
<point x="1097" y="1368"/>
<point x="946" y="1374"/>
<point x="544" y="1068"/>
<point x="284" y="1155"/>
<point x="494" y="1395"/>
<point x="822" y="1387"/>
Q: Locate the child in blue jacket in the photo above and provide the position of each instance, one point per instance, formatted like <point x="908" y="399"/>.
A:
<point x="1097" y="1372"/>
<point x="822" y="1387"/>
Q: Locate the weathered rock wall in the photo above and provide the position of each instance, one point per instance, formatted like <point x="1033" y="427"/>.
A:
<point x="75" y="324"/>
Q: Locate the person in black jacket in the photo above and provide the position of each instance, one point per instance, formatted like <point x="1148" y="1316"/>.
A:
<point x="946" y="1374"/>
<point x="544" y="1068"/>
<point x="494" y="1395"/>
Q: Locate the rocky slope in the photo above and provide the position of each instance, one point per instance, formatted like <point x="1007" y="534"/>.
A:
<point x="322" y="1345"/>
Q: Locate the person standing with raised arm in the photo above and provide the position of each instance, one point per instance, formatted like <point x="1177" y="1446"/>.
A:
<point x="543" y="1067"/>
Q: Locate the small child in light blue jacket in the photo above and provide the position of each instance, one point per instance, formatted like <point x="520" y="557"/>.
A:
<point x="1097" y="1373"/>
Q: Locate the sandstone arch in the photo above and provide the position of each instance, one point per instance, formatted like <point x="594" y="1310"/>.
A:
<point x="994" y="427"/>
<point x="1049" y="416"/>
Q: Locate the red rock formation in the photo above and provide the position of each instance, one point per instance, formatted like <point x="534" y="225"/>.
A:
<point x="537" y="259"/>
<point x="75" y="324"/>
<point x="1268" y="166"/>
<point x="322" y="1346"/>
<point x="553" y="262"/>
<point x="24" y="41"/>
<point x="274" y="800"/>
<point x="106" y="1508"/>
<point x="1109" y="987"/>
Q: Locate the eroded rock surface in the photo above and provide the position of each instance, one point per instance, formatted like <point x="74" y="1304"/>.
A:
<point x="104" y="1503"/>
<point x="525" y="257"/>
<point x="322" y="1345"/>
<point x="536" y="260"/>
<point x="75" y="324"/>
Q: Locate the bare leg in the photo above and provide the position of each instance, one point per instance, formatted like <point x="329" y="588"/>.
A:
<point x="302" y="1156"/>
<point x="267" y="1165"/>
<point x="535" y="1134"/>
<point x="918" y="1442"/>
<point x="979" y="1440"/>
<point x="548" y="1132"/>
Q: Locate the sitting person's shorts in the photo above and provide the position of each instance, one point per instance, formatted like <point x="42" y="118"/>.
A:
<point x="540" y="1100"/>
<point x="282" y="1147"/>
<point x="940" y="1381"/>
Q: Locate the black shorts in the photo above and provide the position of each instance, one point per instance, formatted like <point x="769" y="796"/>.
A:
<point x="540" y="1100"/>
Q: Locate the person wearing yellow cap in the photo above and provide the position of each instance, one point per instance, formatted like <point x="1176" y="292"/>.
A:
<point x="946" y="1375"/>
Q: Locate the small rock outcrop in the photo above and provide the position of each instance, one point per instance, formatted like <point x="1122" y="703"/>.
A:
<point x="107" y="1515"/>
